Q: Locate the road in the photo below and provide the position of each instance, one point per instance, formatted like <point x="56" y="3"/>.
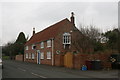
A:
<point x="0" y="73"/>
<point x="17" y="69"/>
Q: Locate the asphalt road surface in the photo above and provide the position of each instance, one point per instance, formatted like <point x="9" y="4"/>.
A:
<point x="17" y="69"/>
<point x="0" y="73"/>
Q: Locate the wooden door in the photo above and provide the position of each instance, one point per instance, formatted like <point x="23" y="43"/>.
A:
<point x="68" y="60"/>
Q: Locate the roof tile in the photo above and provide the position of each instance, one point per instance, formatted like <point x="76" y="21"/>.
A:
<point x="47" y="33"/>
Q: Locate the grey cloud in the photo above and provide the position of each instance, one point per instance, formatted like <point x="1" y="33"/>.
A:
<point x="23" y="16"/>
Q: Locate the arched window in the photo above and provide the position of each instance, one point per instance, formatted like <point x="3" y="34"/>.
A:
<point x="66" y="38"/>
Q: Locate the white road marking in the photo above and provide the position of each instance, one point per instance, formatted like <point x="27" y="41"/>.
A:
<point x="21" y="69"/>
<point x="38" y="75"/>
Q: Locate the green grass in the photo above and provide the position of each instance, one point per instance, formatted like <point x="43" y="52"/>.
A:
<point x="5" y="57"/>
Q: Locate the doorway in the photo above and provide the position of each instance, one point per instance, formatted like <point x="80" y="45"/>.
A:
<point x="38" y="56"/>
<point x="68" y="60"/>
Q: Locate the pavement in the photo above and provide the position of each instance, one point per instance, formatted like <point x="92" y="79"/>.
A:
<point x="17" y="69"/>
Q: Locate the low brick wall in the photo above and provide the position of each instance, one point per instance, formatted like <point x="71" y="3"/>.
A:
<point x="19" y="57"/>
<point x="31" y="60"/>
<point x="80" y="59"/>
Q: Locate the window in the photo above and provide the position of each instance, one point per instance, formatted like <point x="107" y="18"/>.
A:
<point x="33" y="46"/>
<point x="49" y="43"/>
<point x="66" y="38"/>
<point x="33" y="56"/>
<point x="29" y="55"/>
<point x="48" y="55"/>
<point x="42" y="44"/>
<point x="26" y="48"/>
<point x="42" y="55"/>
<point x="26" y="55"/>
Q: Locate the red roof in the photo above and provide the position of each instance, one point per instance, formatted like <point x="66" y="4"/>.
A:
<point x="47" y="33"/>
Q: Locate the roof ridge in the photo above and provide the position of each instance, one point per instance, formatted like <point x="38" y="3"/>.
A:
<point x="48" y="29"/>
<point x="51" y="26"/>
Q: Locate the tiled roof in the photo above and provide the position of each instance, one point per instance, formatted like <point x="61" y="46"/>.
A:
<point x="47" y="33"/>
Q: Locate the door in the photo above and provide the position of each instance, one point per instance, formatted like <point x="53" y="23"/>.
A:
<point x="38" y="56"/>
<point x="68" y="60"/>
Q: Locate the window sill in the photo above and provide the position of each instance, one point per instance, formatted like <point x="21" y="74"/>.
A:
<point x="49" y="58"/>
<point x="66" y="43"/>
<point x="48" y="46"/>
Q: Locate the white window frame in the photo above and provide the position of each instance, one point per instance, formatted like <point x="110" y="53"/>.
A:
<point x="26" y="55"/>
<point x="42" y="45"/>
<point x="49" y="43"/>
<point x="26" y="48"/>
<point x="33" y="46"/>
<point x="42" y="55"/>
<point x="33" y="56"/>
<point x="29" y="55"/>
<point x="66" y="38"/>
<point x="49" y="55"/>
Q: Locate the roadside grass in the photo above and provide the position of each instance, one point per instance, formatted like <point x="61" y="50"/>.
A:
<point x="6" y="57"/>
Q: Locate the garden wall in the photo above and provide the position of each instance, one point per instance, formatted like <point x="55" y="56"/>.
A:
<point x="19" y="57"/>
<point x="80" y="59"/>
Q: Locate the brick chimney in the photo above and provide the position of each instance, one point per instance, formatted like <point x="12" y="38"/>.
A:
<point x="72" y="18"/>
<point x="33" y="31"/>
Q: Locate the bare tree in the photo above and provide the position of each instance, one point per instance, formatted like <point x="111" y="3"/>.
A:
<point x="92" y="38"/>
<point x="91" y="32"/>
<point x="82" y="42"/>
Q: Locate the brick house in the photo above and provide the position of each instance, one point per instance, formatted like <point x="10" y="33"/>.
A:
<point x="57" y="39"/>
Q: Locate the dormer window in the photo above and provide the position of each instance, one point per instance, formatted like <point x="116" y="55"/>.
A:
<point x="33" y="46"/>
<point x="66" y="38"/>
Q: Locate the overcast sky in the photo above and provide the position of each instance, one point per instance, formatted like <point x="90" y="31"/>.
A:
<point x="19" y="17"/>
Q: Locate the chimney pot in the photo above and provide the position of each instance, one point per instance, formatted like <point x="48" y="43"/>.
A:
<point x="33" y="31"/>
<point x="72" y="18"/>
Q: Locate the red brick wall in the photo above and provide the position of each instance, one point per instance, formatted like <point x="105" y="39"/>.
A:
<point x="45" y="50"/>
<point x="38" y="47"/>
<point x="58" y="45"/>
<point x="29" y="51"/>
<point x="58" y="42"/>
<point x="80" y="59"/>
<point x="19" y="57"/>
